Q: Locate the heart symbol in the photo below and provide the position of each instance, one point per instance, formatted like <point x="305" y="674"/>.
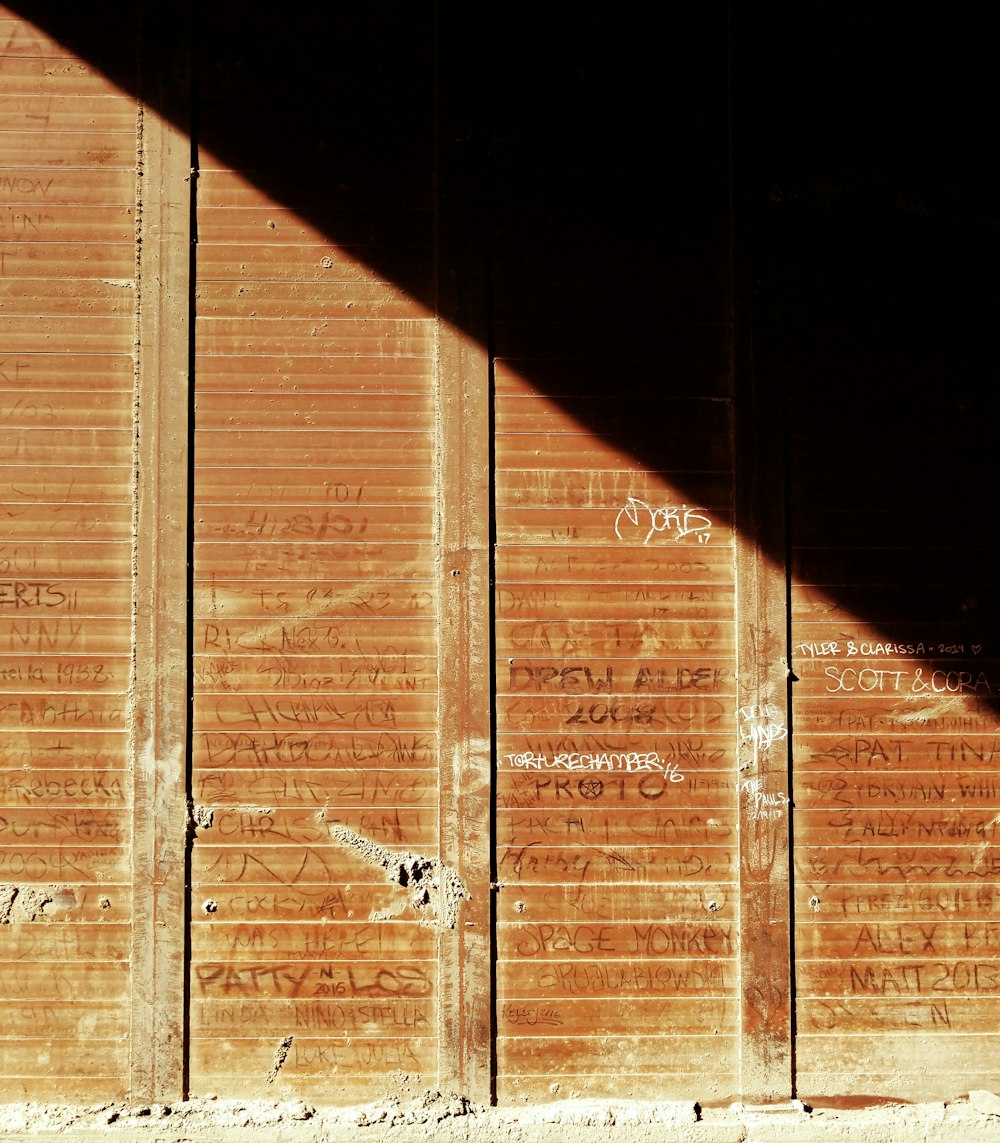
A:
<point x="976" y="648"/>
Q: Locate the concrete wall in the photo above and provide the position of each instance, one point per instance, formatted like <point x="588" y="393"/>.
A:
<point x="498" y="556"/>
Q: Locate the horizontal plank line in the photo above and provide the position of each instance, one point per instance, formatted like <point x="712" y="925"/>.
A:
<point x="362" y="318"/>
<point x="654" y="885"/>
<point x="68" y="243"/>
<point x="299" y="392"/>
<point x="365" y="766"/>
<point x="51" y="693"/>
<point x="297" y="961"/>
<point x="279" y="694"/>
<point x="534" y="847"/>
<point x="901" y="844"/>
<point x="615" y="695"/>
<point x="77" y="846"/>
<point x="560" y="1033"/>
<point x="324" y="281"/>
<point x="275" y="206"/>
<point x="230" y="429"/>
<point x="592" y="731"/>
<point x="322" y="1035"/>
<point x="612" y="810"/>
<point x="660" y="623"/>
<point x="302" y="467"/>
<point x="943" y="771"/>
<point x="308" y="542"/>
<point x="62" y="392"/>
<point x="320" y="357"/>
<point x="945" y="1029"/>
<point x="197" y="921"/>
<point x="240" y="846"/>
<point x="124" y="204"/>
<point x="27" y="505"/>
<point x="263" y="243"/>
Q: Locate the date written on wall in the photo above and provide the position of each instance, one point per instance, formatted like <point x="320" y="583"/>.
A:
<point x="874" y="650"/>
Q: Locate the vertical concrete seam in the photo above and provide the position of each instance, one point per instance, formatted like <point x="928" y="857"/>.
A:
<point x="131" y="701"/>
<point x="157" y="709"/>
<point x="439" y="520"/>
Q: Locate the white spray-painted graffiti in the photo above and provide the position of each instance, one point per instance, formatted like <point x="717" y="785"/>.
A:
<point x="764" y="806"/>
<point x="630" y="762"/>
<point x="638" y="519"/>
<point x="760" y="725"/>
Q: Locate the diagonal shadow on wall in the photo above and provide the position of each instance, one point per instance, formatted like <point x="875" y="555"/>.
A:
<point x="814" y="186"/>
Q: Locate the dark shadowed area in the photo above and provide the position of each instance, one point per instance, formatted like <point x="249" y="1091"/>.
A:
<point x="595" y="147"/>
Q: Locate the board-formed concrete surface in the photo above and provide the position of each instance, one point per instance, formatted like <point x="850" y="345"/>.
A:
<point x="474" y="608"/>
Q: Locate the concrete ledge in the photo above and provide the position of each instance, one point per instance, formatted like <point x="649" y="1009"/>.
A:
<point x="435" y="1116"/>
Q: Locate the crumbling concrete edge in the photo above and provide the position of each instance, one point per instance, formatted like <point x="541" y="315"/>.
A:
<point x="435" y="1116"/>
<point x="24" y="902"/>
